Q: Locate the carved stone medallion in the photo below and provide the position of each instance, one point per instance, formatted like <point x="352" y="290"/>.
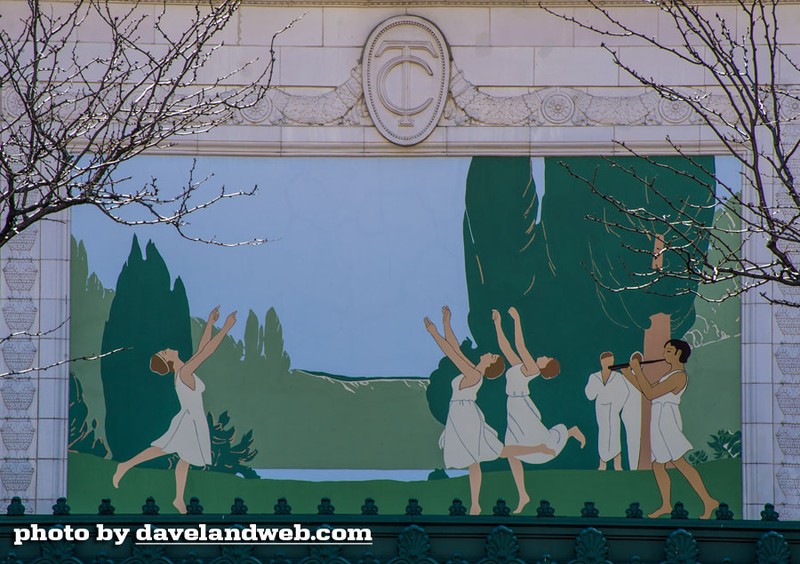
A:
<point x="406" y="73"/>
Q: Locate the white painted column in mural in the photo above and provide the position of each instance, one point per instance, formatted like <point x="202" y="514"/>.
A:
<point x="34" y="301"/>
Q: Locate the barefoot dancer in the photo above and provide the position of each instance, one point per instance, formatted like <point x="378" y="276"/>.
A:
<point x="188" y="434"/>
<point x="668" y="443"/>
<point x="525" y="433"/>
<point x="467" y="440"/>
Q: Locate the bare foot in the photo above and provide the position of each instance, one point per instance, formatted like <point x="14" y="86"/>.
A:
<point x="121" y="470"/>
<point x="523" y="501"/>
<point x="663" y="510"/>
<point x="709" y="506"/>
<point x="179" y="505"/>
<point x="602" y="466"/>
<point x="576" y="434"/>
<point x="475" y="509"/>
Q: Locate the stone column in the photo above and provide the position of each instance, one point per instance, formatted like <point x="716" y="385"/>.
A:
<point x="34" y="306"/>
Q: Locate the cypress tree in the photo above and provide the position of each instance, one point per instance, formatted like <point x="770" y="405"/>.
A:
<point x="278" y="361"/>
<point x="148" y="314"/>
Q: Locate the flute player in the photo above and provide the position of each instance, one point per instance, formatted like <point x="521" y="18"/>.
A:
<point x="668" y="443"/>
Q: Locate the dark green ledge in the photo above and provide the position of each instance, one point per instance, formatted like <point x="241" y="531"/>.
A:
<point x="415" y="538"/>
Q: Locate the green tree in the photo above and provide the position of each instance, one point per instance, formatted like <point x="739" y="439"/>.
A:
<point x="227" y="456"/>
<point x="278" y="361"/>
<point x="89" y="306"/>
<point x="82" y="433"/>
<point x="148" y="314"/>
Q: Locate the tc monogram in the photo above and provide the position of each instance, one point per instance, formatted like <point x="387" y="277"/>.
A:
<point x="405" y="60"/>
<point x="406" y="76"/>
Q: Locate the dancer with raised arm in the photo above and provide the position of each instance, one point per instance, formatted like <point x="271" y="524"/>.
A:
<point x="668" y="443"/>
<point x="188" y="435"/>
<point x="527" y="438"/>
<point x="467" y="439"/>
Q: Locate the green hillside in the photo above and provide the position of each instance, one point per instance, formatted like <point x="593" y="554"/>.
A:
<point x="303" y="420"/>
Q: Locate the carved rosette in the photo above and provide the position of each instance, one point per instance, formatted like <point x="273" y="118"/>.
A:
<point x="674" y="111"/>
<point x="406" y="78"/>
<point x="259" y="111"/>
<point x="11" y="104"/>
<point x="558" y="108"/>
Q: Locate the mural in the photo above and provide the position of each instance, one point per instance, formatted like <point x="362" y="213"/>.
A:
<point x="343" y="376"/>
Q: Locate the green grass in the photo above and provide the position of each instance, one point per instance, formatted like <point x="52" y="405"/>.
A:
<point x="567" y="490"/>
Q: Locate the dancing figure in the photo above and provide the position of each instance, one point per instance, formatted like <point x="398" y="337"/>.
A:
<point x="188" y="435"/>
<point x="467" y="439"/>
<point x="527" y="438"/>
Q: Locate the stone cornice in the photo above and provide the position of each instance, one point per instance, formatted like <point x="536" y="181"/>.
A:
<point x="455" y="3"/>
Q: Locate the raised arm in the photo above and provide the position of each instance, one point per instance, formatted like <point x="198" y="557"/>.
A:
<point x="471" y="374"/>
<point x="449" y="336"/>
<point x="529" y="366"/>
<point x="198" y="358"/>
<point x="674" y="383"/>
<point x="213" y="317"/>
<point x="505" y="347"/>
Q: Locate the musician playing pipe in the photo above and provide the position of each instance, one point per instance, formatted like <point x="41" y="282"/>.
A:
<point x="668" y="443"/>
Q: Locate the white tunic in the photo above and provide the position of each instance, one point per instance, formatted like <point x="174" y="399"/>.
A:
<point x="525" y="427"/>
<point x="667" y="440"/>
<point x="188" y="434"/>
<point x="614" y="398"/>
<point x="467" y="438"/>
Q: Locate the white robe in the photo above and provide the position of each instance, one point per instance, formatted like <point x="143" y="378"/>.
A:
<point x="525" y="427"/>
<point x="667" y="440"/>
<point x="616" y="399"/>
<point x="467" y="438"/>
<point x="188" y="434"/>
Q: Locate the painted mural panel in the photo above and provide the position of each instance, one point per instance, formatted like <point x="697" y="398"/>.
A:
<point x="436" y="329"/>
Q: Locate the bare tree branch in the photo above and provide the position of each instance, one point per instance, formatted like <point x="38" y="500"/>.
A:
<point x="752" y="111"/>
<point x="72" y="112"/>
<point x="17" y="374"/>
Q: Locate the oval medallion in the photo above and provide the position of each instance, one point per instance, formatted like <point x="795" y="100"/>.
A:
<point x="406" y="77"/>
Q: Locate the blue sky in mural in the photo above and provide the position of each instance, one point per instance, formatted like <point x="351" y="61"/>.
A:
<point x="360" y="251"/>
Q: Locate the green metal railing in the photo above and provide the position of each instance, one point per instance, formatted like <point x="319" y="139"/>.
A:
<point x="413" y="538"/>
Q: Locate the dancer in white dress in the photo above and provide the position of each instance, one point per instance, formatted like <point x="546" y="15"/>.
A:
<point x="527" y="438"/>
<point x="467" y="439"/>
<point x="668" y="443"/>
<point x="188" y="435"/>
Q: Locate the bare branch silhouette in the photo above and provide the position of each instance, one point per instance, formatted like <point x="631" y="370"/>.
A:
<point x="752" y="111"/>
<point x="73" y="112"/>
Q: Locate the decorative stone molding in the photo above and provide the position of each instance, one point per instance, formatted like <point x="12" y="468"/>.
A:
<point x="354" y="104"/>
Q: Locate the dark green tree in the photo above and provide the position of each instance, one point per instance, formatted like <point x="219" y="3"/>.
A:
<point x="148" y="314"/>
<point x="226" y="455"/>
